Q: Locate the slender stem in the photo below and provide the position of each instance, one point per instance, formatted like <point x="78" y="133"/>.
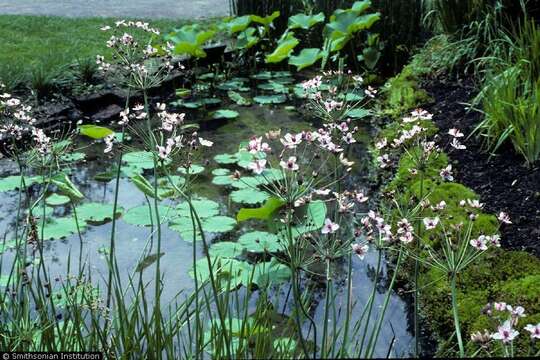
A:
<point x="456" y="316"/>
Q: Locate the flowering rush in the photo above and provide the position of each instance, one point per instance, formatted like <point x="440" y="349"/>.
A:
<point x="360" y="250"/>
<point x="505" y="333"/>
<point x="534" y="330"/>
<point x="329" y="227"/>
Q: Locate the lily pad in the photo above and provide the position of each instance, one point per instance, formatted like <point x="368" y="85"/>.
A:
<point x="249" y="196"/>
<point x="260" y="242"/>
<point x="218" y="224"/>
<point x="221" y="172"/>
<point x="225" y="114"/>
<point x="97" y="212"/>
<point x="226" y="249"/>
<point x="225" y="159"/>
<point x="358" y="113"/>
<point x="140" y="215"/>
<point x="203" y="207"/>
<point x="270" y="99"/>
<point x="193" y="169"/>
<point x="57" y="200"/>
<point x="223" y="180"/>
<point x="139" y="159"/>
<point x="59" y="228"/>
<point x="13" y="182"/>
<point x="239" y="99"/>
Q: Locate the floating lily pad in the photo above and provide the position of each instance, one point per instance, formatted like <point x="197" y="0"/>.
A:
<point x="223" y="180"/>
<point x="249" y="196"/>
<point x="233" y="85"/>
<point x="13" y="182"/>
<point x="139" y="159"/>
<point x="265" y="273"/>
<point x="274" y="87"/>
<point x="225" y="159"/>
<point x="225" y="114"/>
<point x="140" y="215"/>
<point x="203" y="207"/>
<point x="247" y="182"/>
<point x="57" y="200"/>
<point x="97" y="212"/>
<point x="358" y="113"/>
<point x="226" y="271"/>
<point x="59" y="228"/>
<point x="270" y="99"/>
<point x="193" y="169"/>
<point x="226" y="249"/>
<point x="260" y="241"/>
<point x="218" y="224"/>
<point x="239" y="99"/>
<point x="73" y="157"/>
<point x="221" y="172"/>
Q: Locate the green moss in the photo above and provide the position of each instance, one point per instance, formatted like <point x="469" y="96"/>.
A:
<point x="509" y="276"/>
<point x="403" y="93"/>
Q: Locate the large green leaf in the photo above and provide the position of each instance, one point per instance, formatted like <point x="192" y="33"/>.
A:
<point x="189" y="39"/>
<point x="238" y="24"/>
<point x="306" y="58"/>
<point x="247" y="39"/>
<point x="65" y="185"/>
<point x="94" y="131"/>
<point x="283" y="50"/>
<point x="144" y="185"/>
<point x="265" y="212"/>
<point x="344" y="25"/>
<point x="303" y="21"/>
<point x="267" y="20"/>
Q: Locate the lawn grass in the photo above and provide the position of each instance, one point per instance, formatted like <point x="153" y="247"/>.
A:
<point x="50" y="43"/>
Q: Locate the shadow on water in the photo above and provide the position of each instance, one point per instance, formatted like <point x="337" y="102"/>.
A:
<point x="132" y="241"/>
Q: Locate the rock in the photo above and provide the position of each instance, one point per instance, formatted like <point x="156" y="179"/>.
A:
<point x="107" y="114"/>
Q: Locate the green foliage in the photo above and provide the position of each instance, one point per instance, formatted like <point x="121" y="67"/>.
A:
<point x="95" y="131"/>
<point x="303" y="21"/>
<point x="345" y="23"/>
<point x="403" y="93"/>
<point x="306" y="58"/>
<point x="511" y="94"/>
<point x="264" y="212"/>
<point x="284" y="49"/>
<point x="190" y="39"/>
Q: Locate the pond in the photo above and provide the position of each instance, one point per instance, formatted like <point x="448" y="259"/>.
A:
<point x="135" y="244"/>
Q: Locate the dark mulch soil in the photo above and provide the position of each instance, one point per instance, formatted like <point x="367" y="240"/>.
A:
<point x="503" y="181"/>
